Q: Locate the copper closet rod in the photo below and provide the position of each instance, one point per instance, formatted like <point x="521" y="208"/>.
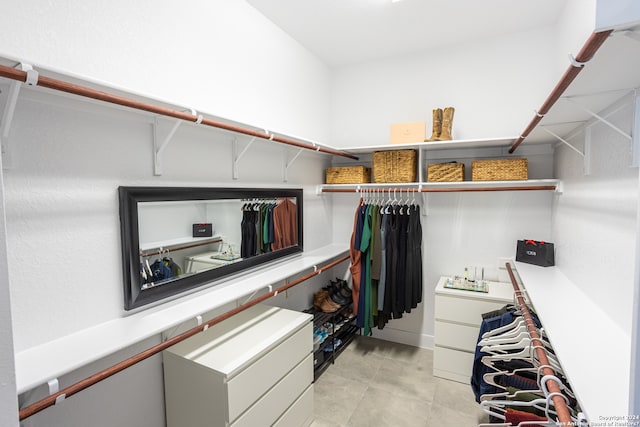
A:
<point x="50" y="400"/>
<point x="51" y="83"/>
<point x="559" y="403"/>
<point x="180" y="248"/>
<point x="586" y="54"/>
<point x="436" y="190"/>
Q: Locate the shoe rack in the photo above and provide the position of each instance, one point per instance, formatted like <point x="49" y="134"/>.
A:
<point x="341" y="331"/>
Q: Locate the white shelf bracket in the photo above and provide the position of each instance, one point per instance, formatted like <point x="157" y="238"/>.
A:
<point x="238" y="155"/>
<point x="635" y="140"/>
<point x="564" y="141"/>
<point x="630" y="33"/>
<point x="287" y="163"/>
<point x="160" y="142"/>
<point x="5" y="124"/>
<point x="587" y="151"/>
<point x="9" y="110"/>
<point x="54" y="387"/>
<point x="600" y="118"/>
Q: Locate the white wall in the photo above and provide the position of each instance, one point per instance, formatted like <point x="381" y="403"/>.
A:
<point x="8" y="397"/>
<point x="573" y="29"/>
<point x="68" y="159"/>
<point x="221" y="57"/>
<point x="596" y="219"/>
<point x="484" y="80"/>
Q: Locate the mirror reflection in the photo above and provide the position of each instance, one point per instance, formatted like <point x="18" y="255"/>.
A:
<point x="176" y="239"/>
<point x="192" y="236"/>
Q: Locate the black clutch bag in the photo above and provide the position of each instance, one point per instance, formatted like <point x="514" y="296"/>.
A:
<point x="535" y="252"/>
<point x="202" y="230"/>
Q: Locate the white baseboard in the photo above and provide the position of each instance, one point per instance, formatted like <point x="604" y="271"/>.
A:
<point x="404" y="337"/>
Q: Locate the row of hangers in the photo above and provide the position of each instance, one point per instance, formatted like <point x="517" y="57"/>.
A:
<point x="376" y="197"/>
<point x="254" y="204"/>
<point x="513" y="342"/>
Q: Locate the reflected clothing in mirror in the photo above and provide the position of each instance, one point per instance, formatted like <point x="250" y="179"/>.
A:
<point x="285" y="227"/>
<point x="162" y="258"/>
<point x="268" y="226"/>
<point x="160" y="269"/>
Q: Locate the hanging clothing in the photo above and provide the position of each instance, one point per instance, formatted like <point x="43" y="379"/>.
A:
<point x="355" y="256"/>
<point x="516" y="417"/>
<point x="284" y="228"/>
<point x="386" y="263"/>
<point x="248" y="233"/>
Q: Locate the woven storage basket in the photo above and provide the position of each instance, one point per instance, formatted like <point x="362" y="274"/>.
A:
<point x="348" y="175"/>
<point x="394" y="166"/>
<point x="445" y="172"/>
<point x="499" y="170"/>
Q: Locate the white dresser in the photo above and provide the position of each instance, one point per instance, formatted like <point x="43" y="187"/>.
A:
<point x="458" y="315"/>
<point x="253" y="369"/>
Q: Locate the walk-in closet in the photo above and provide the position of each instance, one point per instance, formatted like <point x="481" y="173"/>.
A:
<point x="329" y="214"/>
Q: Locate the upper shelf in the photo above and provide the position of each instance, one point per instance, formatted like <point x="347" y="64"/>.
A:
<point x="608" y="78"/>
<point x="447" y="187"/>
<point x="67" y="85"/>
<point x="437" y="145"/>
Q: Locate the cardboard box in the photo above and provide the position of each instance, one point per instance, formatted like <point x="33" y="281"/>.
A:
<point x="405" y="133"/>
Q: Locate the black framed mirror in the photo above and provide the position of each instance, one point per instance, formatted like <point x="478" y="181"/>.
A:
<point x="176" y="239"/>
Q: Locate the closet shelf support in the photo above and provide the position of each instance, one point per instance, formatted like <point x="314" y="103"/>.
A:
<point x="160" y="142"/>
<point x="9" y="110"/>
<point x="287" y="163"/>
<point x="635" y="141"/>
<point x="598" y="117"/>
<point x="634" y="35"/>
<point x="238" y="155"/>
<point x="561" y="139"/>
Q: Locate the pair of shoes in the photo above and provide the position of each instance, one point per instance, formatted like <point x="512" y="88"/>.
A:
<point x="442" y="122"/>
<point x="340" y="292"/>
<point x="323" y="302"/>
<point x="336" y="343"/>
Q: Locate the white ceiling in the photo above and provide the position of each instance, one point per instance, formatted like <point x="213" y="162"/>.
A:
<point x="342" y="32"/>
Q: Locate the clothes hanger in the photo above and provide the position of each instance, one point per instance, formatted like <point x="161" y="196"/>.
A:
<point x="508" y="337"/>
<point x="490" y="378"/>
<point x="517" y="322"/>
<point x="497" y="409"/>
<point x="526" y="354"/>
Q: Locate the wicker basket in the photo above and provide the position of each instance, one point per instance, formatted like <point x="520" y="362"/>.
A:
<point x="445" y="172"/>
<point x="394" y="166"/>
<point x="499" y="170"/>
<point x="348" y="175"/>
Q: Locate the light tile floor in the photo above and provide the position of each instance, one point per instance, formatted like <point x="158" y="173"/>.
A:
<point x="380" y="383"/>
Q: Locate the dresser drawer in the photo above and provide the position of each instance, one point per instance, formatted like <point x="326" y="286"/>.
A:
<point x="464" y="310"/>
<point x="276" y="401"/>
<point x="300" y="413"/>
<point x="246" y="387"/>
<point x="462" y="337"/>
<point x="452" y="364"/>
